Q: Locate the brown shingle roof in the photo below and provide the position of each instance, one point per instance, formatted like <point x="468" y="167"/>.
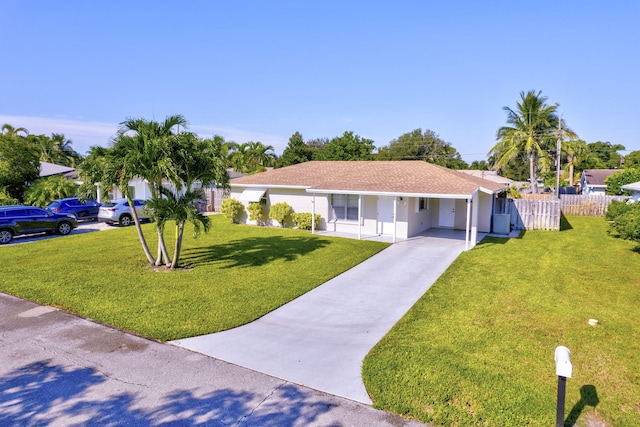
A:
<point x="597" y="176"/>
<point x="395" y="177"/>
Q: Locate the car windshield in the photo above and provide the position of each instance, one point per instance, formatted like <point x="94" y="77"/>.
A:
<point x="53" y="205"/>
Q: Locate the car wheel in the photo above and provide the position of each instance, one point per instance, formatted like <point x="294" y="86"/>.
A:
<point x="125" y="220"/>
<point x="64" y="228"/>
<point x="5" y="236"/>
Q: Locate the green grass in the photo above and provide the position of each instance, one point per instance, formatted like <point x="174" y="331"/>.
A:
<point x="478" y="348"/>
<point x="235" y="274"/>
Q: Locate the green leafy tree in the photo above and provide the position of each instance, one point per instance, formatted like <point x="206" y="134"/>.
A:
<point x="480" y="165"/>
<point x="617" y="180"/>
<point x="602" y="155"/>
<point x="19" y="164"/>
<point x="419" y="145"/>
<point x="316" y="145"/>
<point x="532" y="129"/>
<point x="44" y="190"/>
<point x="632" y="160"/>
<point x="349" y="146"/>
<point x="6" y="199"/>
<point x="295" y="152"/>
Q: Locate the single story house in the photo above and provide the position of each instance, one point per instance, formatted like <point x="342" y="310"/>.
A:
<point x="592" y="181"/>
<point x="392" y="198"/>
<point x="634" y="188"/>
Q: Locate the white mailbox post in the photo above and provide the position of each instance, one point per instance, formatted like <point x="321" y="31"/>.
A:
<point x="563" y="371"/>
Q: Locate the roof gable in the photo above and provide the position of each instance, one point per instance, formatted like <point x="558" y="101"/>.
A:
<point x="389" y="177"/>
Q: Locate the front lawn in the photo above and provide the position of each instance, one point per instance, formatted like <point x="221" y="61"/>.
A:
<point x="478" y="348"/>
<point x="235" y="274"/>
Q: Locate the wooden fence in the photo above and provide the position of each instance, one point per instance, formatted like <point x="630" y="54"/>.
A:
<point x="543" y="211"/>
<point x="215" y="196"/>
<point x="572" y="204"/>
<point x="530" y="214"/>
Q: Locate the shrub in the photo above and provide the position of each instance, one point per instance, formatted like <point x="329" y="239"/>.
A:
<point x="6" y="199"/>
<point x="257" y="212"/>
<point x="615" y="209"/>
<point x="281" y="212"/>
<point x="302" y="220"/>
<point x="232" y="209"/>
<point x="626" y="222"/>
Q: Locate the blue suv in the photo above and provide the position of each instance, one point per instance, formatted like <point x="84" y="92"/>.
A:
<point x="75" y="207"/>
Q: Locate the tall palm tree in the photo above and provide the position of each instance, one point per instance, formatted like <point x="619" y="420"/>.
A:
<point x="143" y="147"/>
<point x="532" y="129"/>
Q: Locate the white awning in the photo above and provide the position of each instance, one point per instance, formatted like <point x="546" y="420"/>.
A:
<point x="252" y="194"/>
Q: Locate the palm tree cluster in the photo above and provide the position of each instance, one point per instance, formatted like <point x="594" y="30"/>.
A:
<point x="533" y="130"/>
<point x="249" y="157"/>
<point x="175" y="165"/>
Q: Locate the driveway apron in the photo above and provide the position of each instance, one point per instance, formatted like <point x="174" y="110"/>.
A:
<point x="320" y="339"/>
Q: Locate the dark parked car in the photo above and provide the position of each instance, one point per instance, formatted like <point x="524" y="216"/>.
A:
<point x="17" y="219"/>
<point x="76" y="207"/>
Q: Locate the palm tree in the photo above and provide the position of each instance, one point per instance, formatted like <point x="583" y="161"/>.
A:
<point x="7" y="129"/>
<point x="260" y="155"/>
<point x="532" y="129"/>
<point x="144" y="146"/>
<point x="199" y="164"/>
<point x="575" y="150"/>
<point x="45" y="190"/>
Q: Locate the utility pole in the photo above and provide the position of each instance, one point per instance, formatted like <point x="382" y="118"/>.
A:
<point x="558" y="156"/>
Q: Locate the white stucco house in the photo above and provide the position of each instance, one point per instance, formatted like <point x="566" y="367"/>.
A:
<point x="399" y="199"/>
<point x="634" y="188"/>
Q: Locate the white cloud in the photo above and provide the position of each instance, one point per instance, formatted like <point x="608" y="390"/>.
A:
<point x="85" y="134"/>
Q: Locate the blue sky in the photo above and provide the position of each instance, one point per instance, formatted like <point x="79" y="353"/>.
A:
<point x="262" y="70"/>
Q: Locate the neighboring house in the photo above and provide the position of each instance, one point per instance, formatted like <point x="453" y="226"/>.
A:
<point x="393" y="198"/>
<point x="489" y="175"/>
<point x="592" y="181"/>
<point x="634" y="188"/>
<point x="139" y="189"/>
<point x="51" y="169"/>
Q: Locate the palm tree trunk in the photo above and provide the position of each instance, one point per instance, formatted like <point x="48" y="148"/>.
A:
<point x="178" y="246"/>
<point x="143" y="241"/>
<point x="163" y="254"/>
<point x="570" y="161"/>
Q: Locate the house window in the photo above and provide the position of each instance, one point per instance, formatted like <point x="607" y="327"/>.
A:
<point x="344" y="207"/>
<point x="422" y="203"/>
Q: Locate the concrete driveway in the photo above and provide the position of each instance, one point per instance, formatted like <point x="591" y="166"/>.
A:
<point x="320" y="339"/>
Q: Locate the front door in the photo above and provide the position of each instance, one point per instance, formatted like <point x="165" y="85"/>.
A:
<point x="385" y="215"/>
<point x="447" y="213"/>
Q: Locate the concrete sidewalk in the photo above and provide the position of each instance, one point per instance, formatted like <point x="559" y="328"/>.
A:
<point x="320" y="339"/>
<point x="60" y="370"/>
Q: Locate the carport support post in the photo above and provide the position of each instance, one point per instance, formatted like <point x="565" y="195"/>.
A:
<point x="313" y="213"/>
<point x="359" y="216"/>
<point x="466" y="238"/>
<point x="395" y="217"/>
